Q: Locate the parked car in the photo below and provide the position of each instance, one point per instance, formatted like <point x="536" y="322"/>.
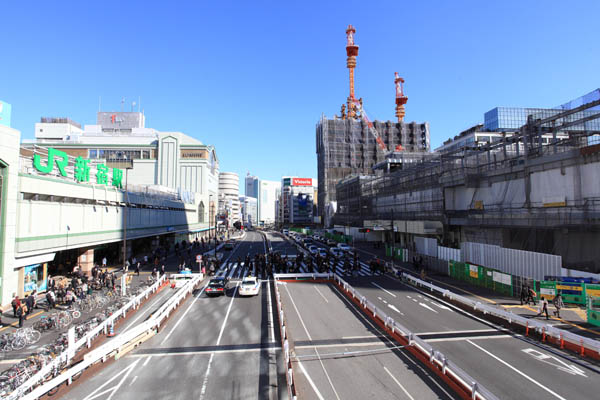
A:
<point x="250" y="286"/>
<point x="313" y="249"/>
<point x="331" y="243"/>
<point x="216" y="287"/>
<point x="228" y="245"/>
<point x="322" y="252"/>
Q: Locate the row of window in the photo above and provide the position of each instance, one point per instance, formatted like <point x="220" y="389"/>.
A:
<point x="120" y="154"/>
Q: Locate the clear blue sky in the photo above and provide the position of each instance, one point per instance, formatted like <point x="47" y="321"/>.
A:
<point x="253" y="77"/>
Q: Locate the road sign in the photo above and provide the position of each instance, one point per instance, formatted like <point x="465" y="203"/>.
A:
<point x="199" y="258"/>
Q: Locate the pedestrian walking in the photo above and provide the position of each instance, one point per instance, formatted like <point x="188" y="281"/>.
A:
<point x="16" y="304"/>
<point x="524" y="293"/>
<point x="137" y="269"/>
<point x="29" y="301"/>
<point x="19" y="314"/>
<point x="104" y="262"/>
<point x="543" y="308"/>
<point x="162" y="269"/>
<point x="51" y="299"/>
<point x="531" y="295"/>
<point x="558" y="303"/>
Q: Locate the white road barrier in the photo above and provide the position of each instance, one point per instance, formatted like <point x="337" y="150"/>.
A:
<point x="114" y="347"/>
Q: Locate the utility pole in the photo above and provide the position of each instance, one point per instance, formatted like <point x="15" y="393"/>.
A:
<point x="393" y="239"/>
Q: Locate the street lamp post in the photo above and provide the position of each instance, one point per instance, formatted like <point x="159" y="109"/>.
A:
<point x="127" y="165"/>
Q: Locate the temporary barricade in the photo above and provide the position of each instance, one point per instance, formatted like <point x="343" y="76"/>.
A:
<point x="482" y="276"/>
<point x="593" y="310"/>
<point x="112" y="347"/>
<point x="438" y="360"/>
<point x="582" y="345"/>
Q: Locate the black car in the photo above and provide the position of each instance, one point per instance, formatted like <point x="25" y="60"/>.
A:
<point x="216" y="287"/>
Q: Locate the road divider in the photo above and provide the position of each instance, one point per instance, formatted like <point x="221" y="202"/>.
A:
<point x="461" y="382"/>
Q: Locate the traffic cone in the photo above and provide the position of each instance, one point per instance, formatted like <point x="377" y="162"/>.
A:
<point x="111" y="331"/>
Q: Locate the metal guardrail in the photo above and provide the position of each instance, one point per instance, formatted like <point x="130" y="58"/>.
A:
<point x="103" y="352"/>
<point x="546" y="330"/>
<point x="446" y="366"/>
<point x="86" y="340"/>
<point x="285" y="345"/>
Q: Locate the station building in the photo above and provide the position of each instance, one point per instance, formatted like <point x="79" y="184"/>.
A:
<point x="71" y="196"/>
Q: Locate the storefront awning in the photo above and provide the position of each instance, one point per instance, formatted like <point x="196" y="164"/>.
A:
<point x="41" y="258"/>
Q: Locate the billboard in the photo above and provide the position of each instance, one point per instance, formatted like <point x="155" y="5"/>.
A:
<point x="5" y="110"/>
<point x="301" y="181"/>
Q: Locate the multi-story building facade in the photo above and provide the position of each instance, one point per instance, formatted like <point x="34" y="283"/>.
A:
<point x="266" y="194"/>
<point x="249" y="207"/>
<point x="229" y="197"/>
<point x="296" y="203"/>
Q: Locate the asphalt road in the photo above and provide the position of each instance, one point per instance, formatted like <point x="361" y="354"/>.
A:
<point x="510" y="366"/>
<point x="213" y="348"/>
<point x="339" y="354"/>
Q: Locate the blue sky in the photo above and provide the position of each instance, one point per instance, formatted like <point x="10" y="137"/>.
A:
<point x="252" y="78"/>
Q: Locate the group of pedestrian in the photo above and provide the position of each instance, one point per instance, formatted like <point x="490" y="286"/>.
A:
<point x="21" y="309"/>
<point x="528" y="295"/>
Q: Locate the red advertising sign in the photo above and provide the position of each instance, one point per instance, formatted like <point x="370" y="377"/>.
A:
<point x="301" y="181"/>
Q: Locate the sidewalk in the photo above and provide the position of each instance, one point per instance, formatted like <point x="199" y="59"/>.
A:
<point x="11" y="324"/>
<point x="573" y="318"/>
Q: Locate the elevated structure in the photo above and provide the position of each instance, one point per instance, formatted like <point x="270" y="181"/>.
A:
<point x="519" y="192"/>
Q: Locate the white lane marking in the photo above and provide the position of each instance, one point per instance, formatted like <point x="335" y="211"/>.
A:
<point x="559" y="364"/>
<point x="385" y="290"/>
<point x="212" y="355"/>
<point x="113" y="389"/>
<point x="399" y="384"/>
<point x="326" y="374"/>
<point x="298" y="312"/>
<point x="427" y="307"/>
<point x="415" y="300"/>
<point x="458" y="339"/>
<point x="133" y="380"/>
<point x="360" y="337"/>
<point x="271" y="321"/>
<point x="324" y="298"/>
<point x="384" y="302"/>
<point x="183" y="316"/>
<point x="465" y="331"/>
<point x="205" y="381"/>
<point x="143" y="313"/>
<point x="197" y="297"/>
<point x="395" y="309"/>
<point x="352" y="305"/>
<point x="147" y="361"/>
<point x="310" y="381"/>
<point x="441" y="306"/>
<point x="518" y="372"/>
<point x="207" y="352"/>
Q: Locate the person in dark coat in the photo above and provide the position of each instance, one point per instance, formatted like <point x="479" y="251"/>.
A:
<point x="16" y="303"/>
<point x="19" y="313"/>
<point x="30" y="301"/>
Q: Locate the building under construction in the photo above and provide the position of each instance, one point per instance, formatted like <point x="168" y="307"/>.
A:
<point x="350" y="144"/>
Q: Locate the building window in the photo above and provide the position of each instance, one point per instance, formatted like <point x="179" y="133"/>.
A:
<point x="93" y="153"/>
<point x="201" y="212"/>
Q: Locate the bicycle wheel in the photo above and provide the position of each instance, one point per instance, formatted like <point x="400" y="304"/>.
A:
<point x="18" y="343"/>
<point x="33" y="336"/>
<point x="75" y="314"/>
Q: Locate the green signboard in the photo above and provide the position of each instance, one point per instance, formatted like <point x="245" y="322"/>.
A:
<point x="81" y="168"/>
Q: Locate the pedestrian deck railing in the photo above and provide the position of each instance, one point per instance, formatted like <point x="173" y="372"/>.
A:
<point x="114" y="347"/>
<point x="583" y="345"/>
<point x="425" y="351"/>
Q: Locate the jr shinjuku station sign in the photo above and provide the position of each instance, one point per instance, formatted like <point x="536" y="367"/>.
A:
<point x="81" y="168"/>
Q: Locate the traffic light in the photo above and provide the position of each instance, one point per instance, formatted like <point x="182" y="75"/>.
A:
<point x="364" y="230"/>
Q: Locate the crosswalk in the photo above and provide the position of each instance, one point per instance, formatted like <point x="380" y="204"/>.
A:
<point x="234" y="270"/>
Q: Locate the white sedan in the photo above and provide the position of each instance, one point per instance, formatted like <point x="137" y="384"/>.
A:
<point x="250" y="286"/>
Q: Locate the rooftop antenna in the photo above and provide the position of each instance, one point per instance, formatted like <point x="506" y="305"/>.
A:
<point x="132" y="105"/>
<point x="99" y="103"/>
<point x="122" y="103"/>
<point x="139" y="103"/>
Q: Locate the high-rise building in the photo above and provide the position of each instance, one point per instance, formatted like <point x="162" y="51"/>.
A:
<point x="229" y="197"/>
<point x="268" y="194"/>
<point x="252" y="184"/>
<point x="249" y="207"/>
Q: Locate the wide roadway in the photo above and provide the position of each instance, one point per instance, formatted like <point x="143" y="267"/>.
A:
<point x="510" y="366"/>
<point x="212" y="348"/>
<point x="337" y="353"/>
